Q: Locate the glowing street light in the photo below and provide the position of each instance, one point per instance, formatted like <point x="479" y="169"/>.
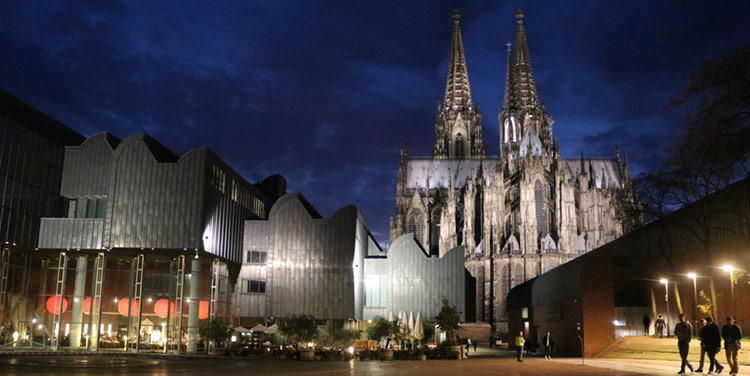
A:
<point x="665" y="282"/>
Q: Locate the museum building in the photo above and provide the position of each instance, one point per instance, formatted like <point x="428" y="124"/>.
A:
<point x="124" y="244"/>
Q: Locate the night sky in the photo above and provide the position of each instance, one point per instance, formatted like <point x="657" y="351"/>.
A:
<point x="327" y="93"/>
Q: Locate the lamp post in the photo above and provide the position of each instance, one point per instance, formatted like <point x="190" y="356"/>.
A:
<point x="730" y="269"/>
<point x="695" y="293"/>
<point x="666" y="299"/>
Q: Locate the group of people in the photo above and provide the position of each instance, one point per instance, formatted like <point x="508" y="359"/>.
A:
<point x="472" y="342"/>
<point x="547" y="344"/>
<point x="710" y="338"/>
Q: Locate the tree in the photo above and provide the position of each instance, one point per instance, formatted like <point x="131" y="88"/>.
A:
<point x="217" y="331"/>
<point x="382" y="328"/>
<point x="299" y="328"/>
<point x="710" y="151"/>
<point x="344" y="337"/>
<point x="448" y="320"/>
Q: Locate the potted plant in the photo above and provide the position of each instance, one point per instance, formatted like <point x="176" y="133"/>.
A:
<point x="380" y="329"/>
<point x="420" y="353"/>
<point x="218" y="332"/>
<point x="448" y="320"/>
<point x="301" y="329"/>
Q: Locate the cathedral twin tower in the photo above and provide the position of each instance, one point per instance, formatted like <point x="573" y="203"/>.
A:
<point x="517" y="215"/>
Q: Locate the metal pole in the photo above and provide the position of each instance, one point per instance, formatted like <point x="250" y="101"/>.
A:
<point x="666" y="299"/>
<point x="695" y="297"/>
<point x="731" y="284"/>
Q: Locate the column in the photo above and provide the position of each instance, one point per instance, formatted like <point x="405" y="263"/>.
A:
<point x="194" y="306"/>
<point x="78" y="296"/>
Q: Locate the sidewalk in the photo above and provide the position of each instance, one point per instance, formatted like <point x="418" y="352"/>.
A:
<point x="645" y="367"/>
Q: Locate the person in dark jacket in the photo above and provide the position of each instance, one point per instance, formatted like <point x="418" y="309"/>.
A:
<point x="684" y="333"/>
<point x="701" y="326"/>
<point x="646" y="324"/>
<point x="711" y="344"/>
<point x="732" y="333"/>
<point x="659" y="325"/>
<point x="475" y="342"/>
<point x="547" y="342"/>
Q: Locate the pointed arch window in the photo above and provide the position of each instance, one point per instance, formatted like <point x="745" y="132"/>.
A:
<point x="506" y="131"/>
<point x="415" y="225"/>
<point x="435" y="231"/>
<point x="542" y="224"/>
<point x="460" y="146"/>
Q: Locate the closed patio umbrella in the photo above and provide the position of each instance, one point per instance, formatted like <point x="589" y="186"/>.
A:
<point x="418" y="327"/>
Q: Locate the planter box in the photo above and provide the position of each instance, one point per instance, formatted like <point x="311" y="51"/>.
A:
<point x="307" y="354"/>
<point x="457" y="349"/>
<point x="386" y="354"/>
<point x="217" y="351"/>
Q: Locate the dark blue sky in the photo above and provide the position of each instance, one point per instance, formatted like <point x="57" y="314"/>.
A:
<point x="326" y="93"/>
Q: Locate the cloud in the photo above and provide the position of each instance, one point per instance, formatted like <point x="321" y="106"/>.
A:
<point x="326" y="93"/>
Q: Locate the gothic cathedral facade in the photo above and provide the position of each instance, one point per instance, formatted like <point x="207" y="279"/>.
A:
<point x="517" y="215"/>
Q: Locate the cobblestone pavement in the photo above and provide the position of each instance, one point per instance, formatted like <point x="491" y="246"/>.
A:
<point x="101" y="365"/>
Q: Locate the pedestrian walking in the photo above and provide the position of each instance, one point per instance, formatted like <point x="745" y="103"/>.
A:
<point x="646" y="324"/>
<point x="660" y="325"/>
<point x="711" y="341"/>
<point x="468" y="343"/>
<point x="732" y="333"/>
<point x="475" y="342"/>
<point x="701" y="326"/>
<point x="520" y="341"/>
<point x="547" y="342"/>
<point x="684" y="333"/>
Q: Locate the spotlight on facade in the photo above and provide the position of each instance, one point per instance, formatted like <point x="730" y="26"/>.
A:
<point x="39" y="327"/>
<point x="663" y="281"/>
<point x="33" y="321"/>
<point x="115" y="299"/>
<point x="691" y="275"/>
<point x="728" y="268"/>
<point x="149" y="299"/>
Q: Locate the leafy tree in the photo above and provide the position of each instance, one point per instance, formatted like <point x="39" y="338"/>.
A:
<point x="378" y="329"/>
<point x="299" y="328"/>
<point x="448" y="320"/>
<point x="218" y="331"/>
<point x="345" y="337"/>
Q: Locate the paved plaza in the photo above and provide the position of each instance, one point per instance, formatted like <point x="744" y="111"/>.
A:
<point x="154" y="365"/>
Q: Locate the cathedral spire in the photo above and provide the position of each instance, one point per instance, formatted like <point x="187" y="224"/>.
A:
<point x="458" y="129"/>
<point x="507" y="76"/>
<point x="524" y="77"/>
<point x="457" y="90"/>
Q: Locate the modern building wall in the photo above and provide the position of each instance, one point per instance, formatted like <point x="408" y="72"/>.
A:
<point x="413" y="281"/>
<point x="576" y="292"/>
<point x="313" y="265"/>
<point x="31" y="160"/>
<point x="137" y="194"/>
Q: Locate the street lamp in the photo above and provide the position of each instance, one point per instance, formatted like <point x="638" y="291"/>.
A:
<point x="730" y="269"/>
<point x="666" y="299"/>
<point x="695" y="293"/>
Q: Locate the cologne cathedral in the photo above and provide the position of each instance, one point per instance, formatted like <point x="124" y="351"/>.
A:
<point x="518" y="214"/>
